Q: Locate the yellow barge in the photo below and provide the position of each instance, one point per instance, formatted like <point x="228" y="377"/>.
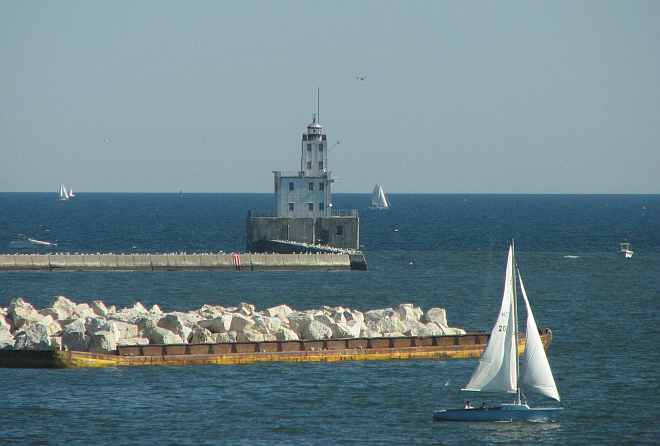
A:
<point x="466" y="346"/>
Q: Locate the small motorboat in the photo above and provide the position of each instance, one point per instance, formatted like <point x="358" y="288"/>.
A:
<point x="624" y="248"/>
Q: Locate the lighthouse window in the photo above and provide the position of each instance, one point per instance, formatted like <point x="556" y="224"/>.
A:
<point x="321" y="206"/>
<point x="321" y="186"/>
<point x="290" y="186"/>
<point x="340" y="230"/>
<point x="310" y="206"/>
<point x="320" y="147"/>
<point x="291" y="205"/>
<point x="309" y="164"/>
<point x="320" y="165"/>
<point x="309" y="147"/>
<point x="311" y="186"/>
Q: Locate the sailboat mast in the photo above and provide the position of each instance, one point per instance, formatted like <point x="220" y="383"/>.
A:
<point x="515" y="317"/>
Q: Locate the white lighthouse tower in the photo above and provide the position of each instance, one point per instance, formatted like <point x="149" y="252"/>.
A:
<point x="306" y="193"/>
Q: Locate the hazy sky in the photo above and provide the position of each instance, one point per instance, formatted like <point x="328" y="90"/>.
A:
<point x="502" y="96"/>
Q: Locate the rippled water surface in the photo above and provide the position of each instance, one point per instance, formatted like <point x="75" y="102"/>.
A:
<point x="449" y="251"/>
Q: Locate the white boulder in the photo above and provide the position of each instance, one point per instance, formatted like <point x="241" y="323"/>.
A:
<point x="246" y="309"/>
<point x="240" y="322"/>
<point x="409" y="312"/>
<point x="6" y="339"/>
<point x="250" y="335"/>
<point x="280" y="311"/>
<point x="177" y="323"/>
<point x="380" y="314"/>
<point x="33" y="336"/>
<point x="158" y="335"/>
<point x="349" y="329"/>
<point x="386" y="325"/>
<point x="126" y="330"/>
<point x="315" y="330"/>
<point x="63" y="309"/>
<point x="416" y="328"/>
<point x="220" y="324"/>
<point x="201" y="335"/>
<point x="437" y="315"/>
<point x="103" y="342"/>
<point x="83" y="311"/>
<point x="5" y="323"/>
<point x="22" y="312"/>
<point x="211" y="311"/>
<point x="298" y="320"/>
<point x="134" y="313"/>
<point x="74" y="336"/>
<point x="286" y="334"/>
<point x="266" y="324"/>
<point x="366" y="332"/>
<point x="454" y="331"/>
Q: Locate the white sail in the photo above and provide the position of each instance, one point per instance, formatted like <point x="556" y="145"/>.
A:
<point x="537" y="375"/>
<point x="64" y="195"/>
<point x="378" y="198"/>
<point x="497" y="366"/>
<point x="71" y="195"/>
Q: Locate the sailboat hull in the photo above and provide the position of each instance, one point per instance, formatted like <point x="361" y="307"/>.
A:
<point x="504" y="413"/>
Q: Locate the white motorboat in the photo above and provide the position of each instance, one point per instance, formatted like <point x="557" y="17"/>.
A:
<point x="624" y="248"/>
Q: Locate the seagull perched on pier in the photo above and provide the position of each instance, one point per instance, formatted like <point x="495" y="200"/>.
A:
<point x="361" y="78"/>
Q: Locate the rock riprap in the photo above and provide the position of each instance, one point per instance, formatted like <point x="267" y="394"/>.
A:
<point x="96" y="327"/>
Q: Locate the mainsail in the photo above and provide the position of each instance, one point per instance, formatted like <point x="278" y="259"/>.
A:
<point x="63" y="193"/>
<point x="378" y="198"/>
<point x="497" y="366"/>
<point x="537" y="375"/>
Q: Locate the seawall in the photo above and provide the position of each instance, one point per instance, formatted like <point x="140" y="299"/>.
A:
<point x="470" y="345"/>
<point x="178" y="261"/>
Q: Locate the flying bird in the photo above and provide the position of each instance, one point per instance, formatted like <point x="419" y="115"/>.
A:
<point x="361" y="78"/>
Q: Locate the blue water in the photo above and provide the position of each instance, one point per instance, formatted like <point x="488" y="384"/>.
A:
<point x="449" y="251"/>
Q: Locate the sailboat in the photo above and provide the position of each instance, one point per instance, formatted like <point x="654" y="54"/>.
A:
<point x="378" y="198"/>
<point x="499" y="368"/>
<point x="63" y="194"/>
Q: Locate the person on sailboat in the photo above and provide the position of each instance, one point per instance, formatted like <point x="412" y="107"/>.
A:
<point x="468" y="405"/>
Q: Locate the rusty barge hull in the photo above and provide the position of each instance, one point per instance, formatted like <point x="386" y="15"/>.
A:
<point x="466" y="346"/>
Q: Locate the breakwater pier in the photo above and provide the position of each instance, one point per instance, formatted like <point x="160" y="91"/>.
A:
<point x="180" y="261"/>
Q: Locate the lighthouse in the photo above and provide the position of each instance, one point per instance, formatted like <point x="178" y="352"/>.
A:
<point x="307" y="192"/>
<point x="304" y="218"/>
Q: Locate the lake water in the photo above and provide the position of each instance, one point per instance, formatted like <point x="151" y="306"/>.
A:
<point x="430" y="250"/>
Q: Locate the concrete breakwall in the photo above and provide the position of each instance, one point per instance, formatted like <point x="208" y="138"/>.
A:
<point x="151" y="262"/>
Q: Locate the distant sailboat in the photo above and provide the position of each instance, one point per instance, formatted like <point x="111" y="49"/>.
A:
<point x="498" y="369"/>
<point x="63" y="194"/>
<point x="378" y="198"/>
